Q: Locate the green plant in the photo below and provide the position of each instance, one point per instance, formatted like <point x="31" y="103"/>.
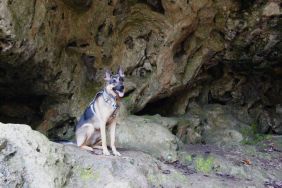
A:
<point x="204" y="164"/>
<point x="251" y="135"/>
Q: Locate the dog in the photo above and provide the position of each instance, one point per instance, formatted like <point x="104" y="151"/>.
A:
<point x="102" y="112"/>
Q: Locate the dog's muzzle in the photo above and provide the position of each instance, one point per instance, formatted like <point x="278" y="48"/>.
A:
<point x="119" y="89"/>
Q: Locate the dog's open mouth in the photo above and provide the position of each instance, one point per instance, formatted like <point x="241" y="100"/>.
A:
<point x="119" y="93"/>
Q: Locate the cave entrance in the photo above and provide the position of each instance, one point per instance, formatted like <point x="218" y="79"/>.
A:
<point x="173" y="105"/>
<point x="21" y="109"/>
<point x="160" y="106"/>
<point x="19" y="102"/>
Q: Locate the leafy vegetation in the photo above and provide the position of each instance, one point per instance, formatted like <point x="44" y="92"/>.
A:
<point x="251" y="136"/>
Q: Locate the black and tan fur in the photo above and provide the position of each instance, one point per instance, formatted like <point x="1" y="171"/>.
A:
<point x="101" y="113"/>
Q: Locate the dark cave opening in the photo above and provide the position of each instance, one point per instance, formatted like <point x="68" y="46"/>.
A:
<point x="157" y="107"/>
<point x="19" y="102"/>
<point x="23" y="109"/>
<point x="259" y="90"/>
<point x="156" y="5"/>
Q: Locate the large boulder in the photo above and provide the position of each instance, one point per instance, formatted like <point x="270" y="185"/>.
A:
<point x="149" y="134"/>
<point x="28" y="159"/>
<point x="133" y="169"/>
<point x="222" y="127"/>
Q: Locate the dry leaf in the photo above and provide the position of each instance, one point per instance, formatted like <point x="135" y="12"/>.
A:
<point x="247" y="162"/>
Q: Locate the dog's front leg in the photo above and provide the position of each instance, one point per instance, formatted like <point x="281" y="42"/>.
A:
<point x="112" y="128"/>
<point x="103" y="137"/>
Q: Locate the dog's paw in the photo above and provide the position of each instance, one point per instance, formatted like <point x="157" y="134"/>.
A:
<point x="106" y="152"/>
<point x="116" y="153"/>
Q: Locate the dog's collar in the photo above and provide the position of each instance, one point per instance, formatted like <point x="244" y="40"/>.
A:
<point x="110" y="99"/>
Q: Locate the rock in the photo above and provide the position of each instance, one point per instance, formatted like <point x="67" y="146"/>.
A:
<point x="227" y="162"/>
<point x="134" y="169"/>
<point x="269" y="121"/>
<point x="277" y="124"/>
<point x="166" y="48"/>
<point x="188" y="129"/>
<point x="221" y="127"/>
<point x="148" y="134"/>
<point x="28" y="159"/>
<point x="271" y="9"/>
<point x="79" y="4"/>
<point x="53" y="165"/>
<point x="278" y="109"/>
<point x="264" y="122"/>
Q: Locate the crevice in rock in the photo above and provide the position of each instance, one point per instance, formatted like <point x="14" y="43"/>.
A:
<point x="77" y="44"/>
<point x="156" y="107"/>
<point x="89" y="62"/>
<point x="78" y="4"/>
<point x="63" y="130"/>
<point x="72" y="44"/>
<point x="166" y="106"/>
<point x="156" y="5"/>
<point x="129" y="42"/>
<point x="247" y="4"/>
<point x="179" y="52"/>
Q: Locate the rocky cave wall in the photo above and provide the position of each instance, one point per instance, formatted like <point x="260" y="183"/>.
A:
<point x="178" y="56"/>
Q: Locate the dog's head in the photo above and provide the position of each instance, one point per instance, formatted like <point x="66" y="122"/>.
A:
<point x="115" y="84"/>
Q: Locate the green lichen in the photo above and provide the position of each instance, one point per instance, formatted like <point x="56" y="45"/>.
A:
<point x="90" y="91"/>
<point x="185" y="157"/>
<point x="179" y="177"/>
<point x="153" y="180"/>
<point x="204" y="164"/>
<point x="132" y="2"/>
<point x="127" y="100"/>
<point x="88" y="174"/>
<point x="188" y="158"/>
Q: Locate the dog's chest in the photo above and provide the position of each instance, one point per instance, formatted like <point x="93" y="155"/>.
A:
<point x="105" y="111"/>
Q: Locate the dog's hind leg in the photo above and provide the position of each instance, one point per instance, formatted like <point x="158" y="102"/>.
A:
<point x="81" y="141"/>
<point x="82" y="137"/>
<point x="87" y="148"/>
<point x="98" y="145"/>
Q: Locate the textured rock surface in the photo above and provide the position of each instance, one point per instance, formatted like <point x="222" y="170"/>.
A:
<point x="28" y="159"/>
<point x="148" y="134"/>
<point x="53" y="54"/>
<point x="213" y="65"/>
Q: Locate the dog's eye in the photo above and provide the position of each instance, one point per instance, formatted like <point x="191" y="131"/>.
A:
<point x="114" y="81"/>
<point x="121" y="79"/>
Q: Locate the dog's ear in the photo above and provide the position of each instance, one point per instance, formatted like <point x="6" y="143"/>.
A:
<point x="107" y="75"/>
<point x="120" y="72"/>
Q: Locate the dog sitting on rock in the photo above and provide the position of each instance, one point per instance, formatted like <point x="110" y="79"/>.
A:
<point x="101" y="113"/>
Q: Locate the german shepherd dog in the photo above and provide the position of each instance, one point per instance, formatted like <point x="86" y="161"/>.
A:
<point x="102" y="112"/>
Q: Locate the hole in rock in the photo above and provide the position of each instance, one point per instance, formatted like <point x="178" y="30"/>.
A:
<point x="21" y="109"/>
<point x="161" y="106"/>
<point x="153" y="108"/>
<point x="72" y="44"/>
<point x="156" y="5"/>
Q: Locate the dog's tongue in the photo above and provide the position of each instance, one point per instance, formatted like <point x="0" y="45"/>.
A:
<point x="120" y="94"/>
